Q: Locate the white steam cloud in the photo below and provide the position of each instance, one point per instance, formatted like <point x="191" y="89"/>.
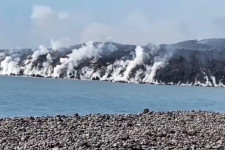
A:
<point x="50" y="24"/>
<point x="95" y="61"/>
<point x="140" y="25"/>
<point x="96" y="32"/>
<point x="10" y="65"/>
<point x="41" y="51"/>
<point x="42" y="15"/>
<point x="61" y="43"/>
<point x="45" y="15"/>
<point x="138" y="28"/>
<point x="64" y="15"/>
<point x="151" y="70"/>
<point x="137" y="60"/>
<point x="154" y="68"/>
<point x="77" y="55"/>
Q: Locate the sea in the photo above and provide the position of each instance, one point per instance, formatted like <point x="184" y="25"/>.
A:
<point x="27" y="96"/>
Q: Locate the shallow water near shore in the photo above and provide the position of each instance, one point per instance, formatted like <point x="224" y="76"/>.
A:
<point x="25" y="96"/>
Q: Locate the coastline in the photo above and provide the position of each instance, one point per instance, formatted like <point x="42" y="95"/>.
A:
<point x="135" y="83"/>
<point x="147" y="130"/>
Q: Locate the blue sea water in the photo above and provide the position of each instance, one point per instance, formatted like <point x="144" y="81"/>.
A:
<point x="24" y="96"/>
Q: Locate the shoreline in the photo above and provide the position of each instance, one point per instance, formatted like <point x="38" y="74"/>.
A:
<point x="146" y="130"/>
<point x="120" y="82"/>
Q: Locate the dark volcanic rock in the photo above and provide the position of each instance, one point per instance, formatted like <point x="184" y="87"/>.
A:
<point x="200" y="63"/>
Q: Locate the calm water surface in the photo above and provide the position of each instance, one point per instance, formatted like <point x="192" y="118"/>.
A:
<point x="23" y="96"/>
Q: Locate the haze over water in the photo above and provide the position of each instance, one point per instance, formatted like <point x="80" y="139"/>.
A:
<point x="23" y="96"/>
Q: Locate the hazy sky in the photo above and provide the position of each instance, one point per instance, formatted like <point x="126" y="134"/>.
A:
<point x="29" y="23"/>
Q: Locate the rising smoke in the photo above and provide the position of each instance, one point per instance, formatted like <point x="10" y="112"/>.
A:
<point x="120" y="63"/>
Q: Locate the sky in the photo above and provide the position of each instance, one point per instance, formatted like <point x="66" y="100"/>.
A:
<point x="57" y="23"/>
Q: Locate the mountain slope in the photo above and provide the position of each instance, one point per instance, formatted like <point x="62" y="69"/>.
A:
<point x="185" y="63"/>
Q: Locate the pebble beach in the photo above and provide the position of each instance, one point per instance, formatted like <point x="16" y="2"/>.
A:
<point x="147" y="130"/>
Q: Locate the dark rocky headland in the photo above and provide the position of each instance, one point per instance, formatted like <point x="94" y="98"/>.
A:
<point x="199" y="63"/>
<point x="147" y="130"/>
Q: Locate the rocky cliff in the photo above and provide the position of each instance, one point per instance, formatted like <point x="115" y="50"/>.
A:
<point x="186" y="63"/>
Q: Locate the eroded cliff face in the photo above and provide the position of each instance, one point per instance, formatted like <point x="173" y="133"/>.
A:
<point x="185" y="63"/>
